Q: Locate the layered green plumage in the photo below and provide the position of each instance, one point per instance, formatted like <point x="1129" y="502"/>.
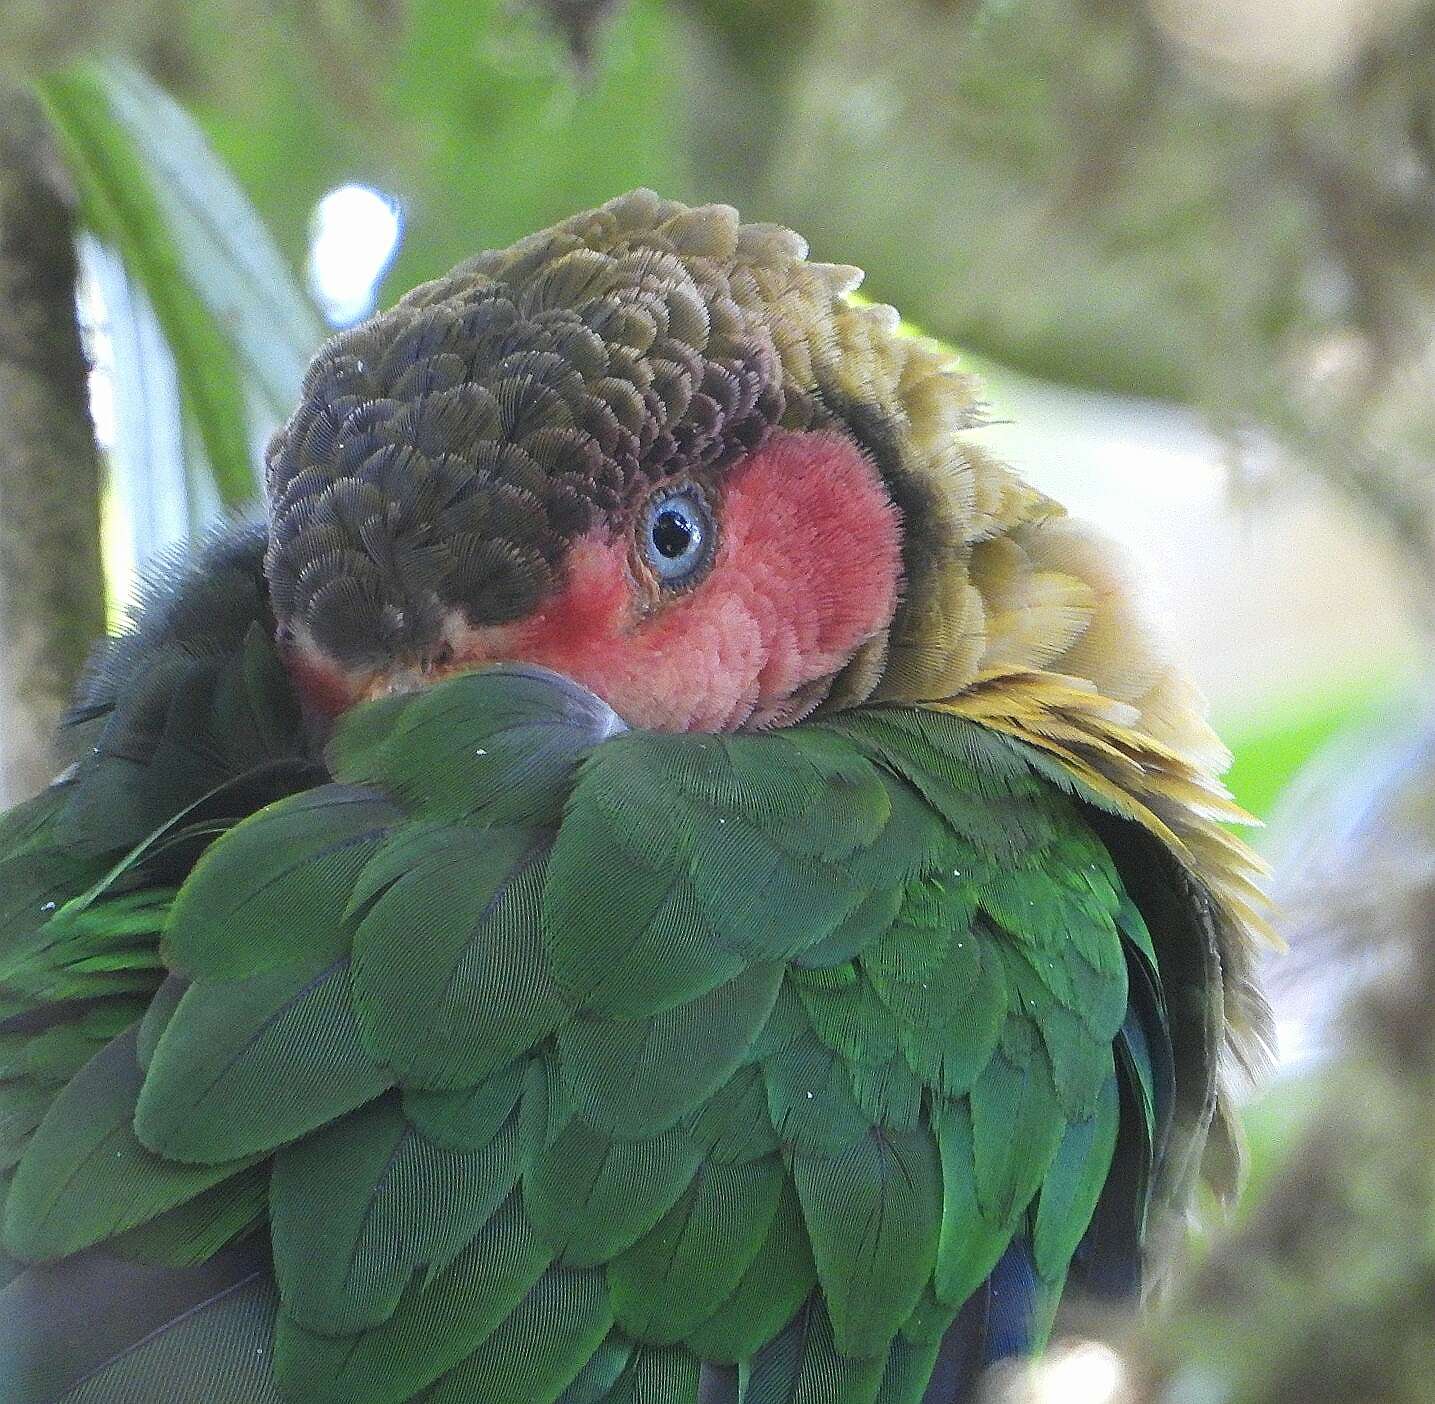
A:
<point x="543" y="1055"/>
<point x="469" y="1045"/>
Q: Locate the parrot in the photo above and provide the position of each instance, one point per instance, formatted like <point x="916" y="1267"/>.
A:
<point x="660" y="871"/>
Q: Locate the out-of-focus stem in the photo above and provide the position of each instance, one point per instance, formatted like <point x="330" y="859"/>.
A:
<point x="51" y="577"/>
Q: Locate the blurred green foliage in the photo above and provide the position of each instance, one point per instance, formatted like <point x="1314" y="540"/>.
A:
<point x="1271" y="747"/>
<point x="470" y="113"/>
<point x="239" y="330"/>
<point x="121" y="202"/>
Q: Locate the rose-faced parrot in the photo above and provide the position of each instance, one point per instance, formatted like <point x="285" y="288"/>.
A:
<point x="661" y="872"/>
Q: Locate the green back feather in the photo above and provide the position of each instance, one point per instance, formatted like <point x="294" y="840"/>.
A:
<point x="552" y="1060"/>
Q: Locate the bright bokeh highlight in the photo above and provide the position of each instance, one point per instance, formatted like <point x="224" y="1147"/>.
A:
<point x="1087" y="1373"/>
<point x="356" y="233"/>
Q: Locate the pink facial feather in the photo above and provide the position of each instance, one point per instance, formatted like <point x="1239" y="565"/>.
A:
<point x="808" y="568"/>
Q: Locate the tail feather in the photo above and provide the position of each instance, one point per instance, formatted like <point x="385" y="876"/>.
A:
<point x="1013" y="1311"/>
<point x="1008" y="1315"/>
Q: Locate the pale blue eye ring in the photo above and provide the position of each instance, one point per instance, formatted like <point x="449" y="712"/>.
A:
<point x="677" y="534"/>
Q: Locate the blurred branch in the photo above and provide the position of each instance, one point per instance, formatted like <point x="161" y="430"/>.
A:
<point x="581" y="23"/>
<point x="744" y="58"/>
<point x="51" y="578"/>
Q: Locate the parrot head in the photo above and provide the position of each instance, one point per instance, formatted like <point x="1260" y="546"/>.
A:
<point x="622" y="450"/>
<point x="663" y="453"/>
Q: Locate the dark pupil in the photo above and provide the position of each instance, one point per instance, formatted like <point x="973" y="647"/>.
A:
<point x="672" y="533"/>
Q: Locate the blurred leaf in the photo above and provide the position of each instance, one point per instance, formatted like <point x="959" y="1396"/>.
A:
<point x="158" y="476"/>
<point x="1271" y="749"/>
<point x="239" y="330"/>
<point x="228" y="254"/>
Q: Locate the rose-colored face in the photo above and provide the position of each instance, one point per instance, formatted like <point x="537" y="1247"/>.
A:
<point x="800" y="565"/>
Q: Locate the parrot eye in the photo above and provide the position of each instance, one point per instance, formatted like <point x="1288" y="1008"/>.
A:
<point x="677" y="538"/>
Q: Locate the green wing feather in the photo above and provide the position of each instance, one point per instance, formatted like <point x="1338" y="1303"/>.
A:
<point x="772" y="1288"/>
<point x="435" y="1325"/>
<point x="593" y="1195"/>
<point x="560" y="1059"/>
<point x="658" y="1375"/>
<point x="688" y="1265"/>
<point x="638" y="1076"/>
<point x="448" y="978"/>
<point x="85" y="1176"/>
<point x="593" y="1383"/>
<point x="803" y="1365"/>
<point x="346" y="1249"/>
<point x="183" y="726"/>
<point x="541" y="1346"/>
<point x="207" y="1334"/>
